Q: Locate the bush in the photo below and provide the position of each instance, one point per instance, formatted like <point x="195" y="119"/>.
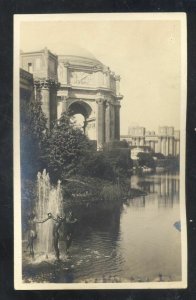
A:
<point x="146" y="159"/>
<point x="66" y="148"/>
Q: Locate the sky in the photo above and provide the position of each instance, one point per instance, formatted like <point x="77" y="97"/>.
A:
<point x="145" y="53"/>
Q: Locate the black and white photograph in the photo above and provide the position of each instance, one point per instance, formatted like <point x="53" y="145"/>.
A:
<point x="99" y="151"/>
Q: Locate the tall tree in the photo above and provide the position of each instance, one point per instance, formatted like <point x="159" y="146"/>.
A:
<point x="67" y="147"/>
<point x="33" y="132"/>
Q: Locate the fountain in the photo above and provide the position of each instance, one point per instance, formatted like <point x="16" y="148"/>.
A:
<point x="49" y="200"/>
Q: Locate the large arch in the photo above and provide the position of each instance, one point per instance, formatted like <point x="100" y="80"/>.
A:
<point x="80" y="107"/>
<point x="83" y="108"/>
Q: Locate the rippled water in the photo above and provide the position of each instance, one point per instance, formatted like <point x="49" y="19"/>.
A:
<point x="136" y="242"/>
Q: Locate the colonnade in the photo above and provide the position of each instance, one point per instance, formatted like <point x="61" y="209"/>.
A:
<point x="169" y="146"/>
<point x="107" y="121"/>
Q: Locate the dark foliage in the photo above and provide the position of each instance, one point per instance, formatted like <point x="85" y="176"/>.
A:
<point x="146" y="159"/>
<point x="33" y="131"/>
<point x="66" y="147"/>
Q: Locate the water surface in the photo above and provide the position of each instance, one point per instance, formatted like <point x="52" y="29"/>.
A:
<point x="136" y="242"/>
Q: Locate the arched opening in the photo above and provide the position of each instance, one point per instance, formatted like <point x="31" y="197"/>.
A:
<point x="79" y="121"/>
<point x="81" y="111"/>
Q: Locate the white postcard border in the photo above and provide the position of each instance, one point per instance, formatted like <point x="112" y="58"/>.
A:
<point x="18" y="283"/>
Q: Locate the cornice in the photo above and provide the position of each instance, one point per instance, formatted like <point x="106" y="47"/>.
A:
<point x="26" y="75"/>
<point x="46" y="83"/>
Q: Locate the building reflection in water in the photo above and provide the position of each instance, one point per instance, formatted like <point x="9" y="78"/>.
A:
<point x="163" y="188"/>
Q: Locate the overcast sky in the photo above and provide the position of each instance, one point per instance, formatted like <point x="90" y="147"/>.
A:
<point x="146" y="54"/>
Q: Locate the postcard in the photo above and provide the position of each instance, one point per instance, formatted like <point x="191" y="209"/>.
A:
<point x="99" y="151"/>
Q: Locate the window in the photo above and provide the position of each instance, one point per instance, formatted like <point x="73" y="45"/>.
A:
<point x="30" y="68"/>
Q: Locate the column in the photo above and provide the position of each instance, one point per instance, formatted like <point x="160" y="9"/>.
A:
<point x="107" y="121"/>
<point x="156" y="149"/>
<point x="153" y="146"/>
<point x="159" y="150"/>
<point x="171" y="146"/>
<point x="46" y="91"/>
<point x="53" y="104"/>
<point x="100" y="123"/>
<point x="177" y="147"/>
<point x="164" y="146"/>
<point x="142" y="141"/>
<point x="112" y="122"/>
<point x="43" y="95"/>
<point x="117" y="122"/>
<point x="64" y="104"/>
<point x="45" y="99"/>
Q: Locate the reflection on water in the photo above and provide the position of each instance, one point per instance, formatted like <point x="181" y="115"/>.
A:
<point x="164" y="186"/>
<point x="136" y="242"/>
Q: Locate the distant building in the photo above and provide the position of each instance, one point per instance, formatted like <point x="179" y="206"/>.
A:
<point x="139" y="149"/>
<point x="166" y="141"/>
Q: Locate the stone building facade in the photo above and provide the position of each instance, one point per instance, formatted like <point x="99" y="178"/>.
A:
<point x="43" y="67"/>
<point x="165" y="141"/>
<point x="26" y="87"/>
<point x="80" y="83"/>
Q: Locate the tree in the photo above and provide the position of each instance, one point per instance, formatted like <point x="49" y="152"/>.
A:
<point x="159" y="155"/>
<point x="98" y="165"/>
<point x="146" y="159"/>
<point x="108" y="165"/>
<point x="33" y="132"/>
<point x="66" y="148"/>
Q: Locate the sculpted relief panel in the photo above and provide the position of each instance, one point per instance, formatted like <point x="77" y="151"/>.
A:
<point x="83" y="78"/>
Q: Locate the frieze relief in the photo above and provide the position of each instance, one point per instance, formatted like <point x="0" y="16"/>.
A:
<point x="82" y="78"/>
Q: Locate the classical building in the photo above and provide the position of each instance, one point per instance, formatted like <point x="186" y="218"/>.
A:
<point x="80" y="83"/>
<point x="43" y="67"/>
<point x="135" y="150"/>
<point x="166" y="141"/>
<point x="26" y="87"/>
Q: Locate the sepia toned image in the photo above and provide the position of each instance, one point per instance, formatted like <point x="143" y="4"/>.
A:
<point x="99" y="151"/>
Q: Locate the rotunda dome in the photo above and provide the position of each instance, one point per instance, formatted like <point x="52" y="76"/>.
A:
<point x="78" y="56"/>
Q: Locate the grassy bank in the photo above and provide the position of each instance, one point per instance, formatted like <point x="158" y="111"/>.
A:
<point x="94" y="190"/>
<point x="85" y="191"/>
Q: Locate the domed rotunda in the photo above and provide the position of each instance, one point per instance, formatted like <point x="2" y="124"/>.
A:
<point x="86" y="87"/>
<point x="90" y="88"/>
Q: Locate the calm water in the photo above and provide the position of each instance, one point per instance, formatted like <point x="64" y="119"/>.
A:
<point x="136" y="242"/>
